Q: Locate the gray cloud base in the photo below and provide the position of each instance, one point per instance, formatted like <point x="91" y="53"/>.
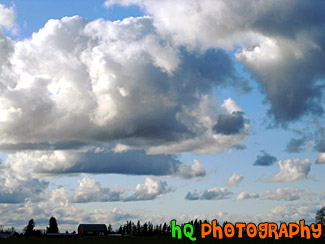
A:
<point x="265" y="159"/>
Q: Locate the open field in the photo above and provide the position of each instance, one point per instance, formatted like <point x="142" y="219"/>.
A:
<point x="156" y="240"/>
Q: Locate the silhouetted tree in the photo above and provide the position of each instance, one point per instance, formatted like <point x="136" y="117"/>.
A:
<point x="150" y="228"/>
<point x="53" y="226"/>
<point x="320" y="217"/>
<point x="109" y="228"/>
<point x="29" y="229"/>
<point x="164" y="229"/>
<point x="145" y="229"/>
<point x="138" y="228"/>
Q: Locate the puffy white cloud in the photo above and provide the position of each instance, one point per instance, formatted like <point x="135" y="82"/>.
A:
<point x="292" y="171"/>
<point x="231" y="106"/>
<point x="60" y="203"/>
<point x="321" y="158"/>
<point x="7" y="16"/>
<point x="151" y="189"/>
<point x="194" y="23"/>
<point x="217" y="193"/>
<point x="92" y="191"/>
<point x="217" y="137"/>
<point x="77" y="82"/>
<point x="291" y="212"/>
<point x="287" y="194"/>
<point x="234" y="180"/>
<point x="18" y="185"/>
<point x="68" y="216"/>
<point x="246" y="195"/>
<point x="187" y="171"/>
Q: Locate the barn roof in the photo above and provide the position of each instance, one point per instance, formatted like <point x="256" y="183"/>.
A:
<point x="93" y="227"/>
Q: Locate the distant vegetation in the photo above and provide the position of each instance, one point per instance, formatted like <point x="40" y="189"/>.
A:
<point x="159" y="233"/>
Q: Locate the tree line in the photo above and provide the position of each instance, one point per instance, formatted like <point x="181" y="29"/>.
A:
<point x="29" y="229"/>
<point x="130" y="228"/>
<point x="149" y="229"/>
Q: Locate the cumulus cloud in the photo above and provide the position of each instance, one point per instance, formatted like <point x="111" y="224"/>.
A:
<point x="217" y="193"/>
<point x="292" y="171"/>
<point x="92" y="191"/>
<point x="99" y="161"/>
<point x="246" y="196"/>
<point x="209" y="140"/>
<point x="120" y="83"/>
<point x="68" y="215"/>
<point x="7" y="16"/>
<point x="19" y="190"/>
<point x="60" y="203"/>
<point x="274" y="44"/>
<point x="320" y="158"/>
<point x="292" y="212"/>
<point x="265" y="159"/>
<point x="234" y="180"/>
<point x="229" y="124"/>
<point x="287" y="194"/>
<point x="98" y="96"/>
<point x="187" y="171"/>
<point x="233" y="121"/>
<point x="18" y="187"/>
<point x="150" y="190"/>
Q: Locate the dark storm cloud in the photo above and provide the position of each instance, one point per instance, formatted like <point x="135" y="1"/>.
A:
<point x="230" y="124"/>
<point x="265" y="159"/>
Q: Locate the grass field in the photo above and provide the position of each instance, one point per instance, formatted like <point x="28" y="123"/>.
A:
<point x="149" y="240"/>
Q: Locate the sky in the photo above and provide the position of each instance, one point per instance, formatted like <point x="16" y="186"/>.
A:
<point x="158" y="110"/>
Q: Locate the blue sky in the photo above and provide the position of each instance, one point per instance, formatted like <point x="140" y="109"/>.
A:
<point x="151" y="111"/>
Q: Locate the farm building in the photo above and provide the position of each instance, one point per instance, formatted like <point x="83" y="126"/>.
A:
<point x="92" y="230"/>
